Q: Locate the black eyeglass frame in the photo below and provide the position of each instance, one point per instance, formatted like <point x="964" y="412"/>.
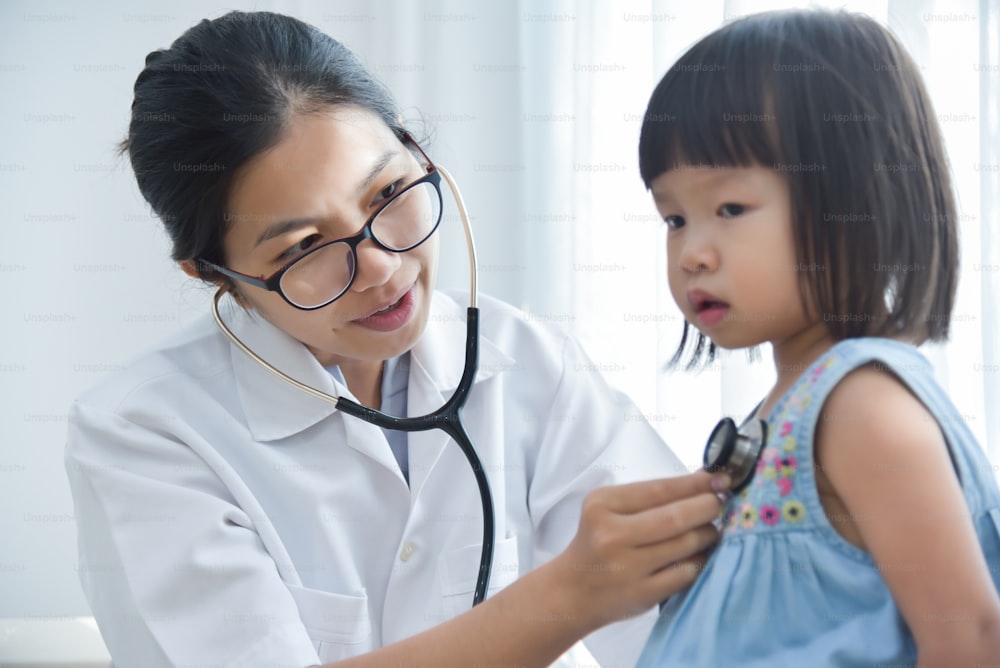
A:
<point x="273" y="282"/>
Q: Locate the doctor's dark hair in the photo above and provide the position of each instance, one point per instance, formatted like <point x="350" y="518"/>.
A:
<point x="224" y="92"/>
<point x="833" y="103"/>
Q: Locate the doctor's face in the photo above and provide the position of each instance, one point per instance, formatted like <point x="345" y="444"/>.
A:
<point x="322" y="182"/>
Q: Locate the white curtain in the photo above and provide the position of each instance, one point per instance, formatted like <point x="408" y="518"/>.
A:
<point x="618" y="301"/>
<point x="535" y="108"/>
<point x="987" y="233"/>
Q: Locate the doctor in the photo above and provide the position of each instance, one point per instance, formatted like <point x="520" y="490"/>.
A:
<point x="229" y="519"/>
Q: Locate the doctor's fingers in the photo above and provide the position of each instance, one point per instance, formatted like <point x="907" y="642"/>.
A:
<point x="691" y="547"/>
<point x="639" y="496"/>
<point x="648" y="575"/>
<point x="672" y="520"/>
<point x="643" y="543"/>
<point x="676" y="576"/>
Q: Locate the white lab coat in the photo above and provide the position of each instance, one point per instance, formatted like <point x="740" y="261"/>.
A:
<point x="227" y="518"/>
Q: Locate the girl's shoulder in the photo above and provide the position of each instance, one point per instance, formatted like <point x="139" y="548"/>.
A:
<point x="783" y="493"/>
<point x="861" y="374"/>
<point x="846" y="355"/>
<point x="901" y="360"/>
<point x="864" y="381"/>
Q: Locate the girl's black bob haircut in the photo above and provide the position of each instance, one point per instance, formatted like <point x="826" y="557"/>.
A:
<point x="831" y="101"/>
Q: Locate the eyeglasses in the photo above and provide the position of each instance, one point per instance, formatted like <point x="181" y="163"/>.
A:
<point x="323" y="274"/>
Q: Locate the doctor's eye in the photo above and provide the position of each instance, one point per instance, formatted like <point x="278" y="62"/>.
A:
<point x="674" y="222"/>
<point x="388" y="192"/>
<point x="730" y="210"/>
<point x="302" y="246"/>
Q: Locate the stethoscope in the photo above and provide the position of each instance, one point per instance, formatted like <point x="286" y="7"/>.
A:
<point x="735" y="451"/>
<point x="447" y="418"/>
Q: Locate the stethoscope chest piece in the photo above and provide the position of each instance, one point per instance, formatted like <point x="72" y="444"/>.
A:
<point x="736" y="451"/>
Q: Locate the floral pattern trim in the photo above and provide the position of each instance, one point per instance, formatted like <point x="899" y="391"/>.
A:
<point x="773" y="483"/>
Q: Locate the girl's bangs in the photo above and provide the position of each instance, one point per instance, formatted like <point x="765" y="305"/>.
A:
<point x="695" y="119"/>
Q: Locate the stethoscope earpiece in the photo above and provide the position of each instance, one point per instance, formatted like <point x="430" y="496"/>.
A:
<point x="735" y="451"/>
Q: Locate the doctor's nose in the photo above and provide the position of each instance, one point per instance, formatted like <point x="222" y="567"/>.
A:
<point x="375" y="266"/>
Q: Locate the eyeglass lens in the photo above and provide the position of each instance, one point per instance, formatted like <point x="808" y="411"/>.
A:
<point x="323" y="275"/>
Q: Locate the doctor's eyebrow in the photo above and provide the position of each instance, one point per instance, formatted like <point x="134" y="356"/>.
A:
<point x="285" y="226"/>
<point x="376" y="169"/>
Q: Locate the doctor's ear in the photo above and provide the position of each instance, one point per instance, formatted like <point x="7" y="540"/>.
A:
<point x="190" y="267"/>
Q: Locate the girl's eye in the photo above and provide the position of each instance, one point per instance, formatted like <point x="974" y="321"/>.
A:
<point x="674" y="222"/>
<point x="730" y="210"/>
<point x="299" y="248"/>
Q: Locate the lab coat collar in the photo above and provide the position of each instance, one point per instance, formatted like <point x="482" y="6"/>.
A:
<point x="436" y="365"/>
<point x="440" y="352"/>
<point x="274" y="409"/>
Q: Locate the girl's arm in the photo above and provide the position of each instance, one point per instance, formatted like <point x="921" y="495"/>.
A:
<point x="637" y="544"/>
<point x="887" y="461"/>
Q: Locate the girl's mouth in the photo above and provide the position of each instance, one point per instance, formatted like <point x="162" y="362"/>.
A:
<point x="708" y="308"/>
<point x="712" y="313"/>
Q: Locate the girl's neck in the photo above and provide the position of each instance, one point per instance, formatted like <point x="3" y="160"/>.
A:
<point x="792" y="356"/>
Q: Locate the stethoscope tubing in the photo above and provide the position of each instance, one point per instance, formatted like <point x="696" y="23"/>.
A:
<point x="448" y="419"/>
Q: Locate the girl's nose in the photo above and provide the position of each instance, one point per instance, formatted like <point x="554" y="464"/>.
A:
<point x="698" y="252"/>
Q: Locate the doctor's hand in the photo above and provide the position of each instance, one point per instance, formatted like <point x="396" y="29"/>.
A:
<point x="639" y="543"/>
<point x="636" y="545"/>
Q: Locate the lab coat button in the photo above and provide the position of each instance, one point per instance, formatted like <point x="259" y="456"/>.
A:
<point x="407" y="551"/>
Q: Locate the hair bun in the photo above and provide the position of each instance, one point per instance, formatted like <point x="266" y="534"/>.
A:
<point x="154" y="56"/>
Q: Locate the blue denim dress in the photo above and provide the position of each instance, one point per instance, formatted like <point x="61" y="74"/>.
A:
<point x="783" y="588"/>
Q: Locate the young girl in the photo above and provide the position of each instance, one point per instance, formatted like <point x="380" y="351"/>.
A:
<point x="795" y="159"/>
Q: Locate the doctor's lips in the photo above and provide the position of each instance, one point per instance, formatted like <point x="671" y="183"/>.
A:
<point x="390" y="316"/>
<point x="709" y="310"/>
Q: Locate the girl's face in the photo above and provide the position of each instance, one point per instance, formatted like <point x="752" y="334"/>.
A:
<point x="322" y="182"/>
<point x="731" y="259"/>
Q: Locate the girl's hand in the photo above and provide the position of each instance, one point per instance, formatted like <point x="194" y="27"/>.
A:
<point x="637" y="544"/>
